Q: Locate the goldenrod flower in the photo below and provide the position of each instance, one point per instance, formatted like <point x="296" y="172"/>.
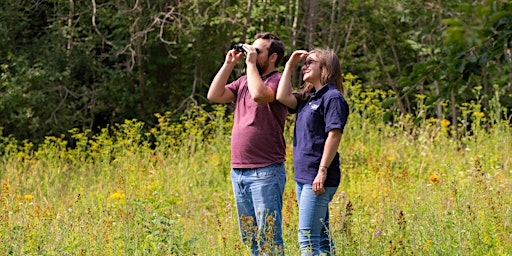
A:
<point x="118" y="196"/>
<point x="432" y="120"/>
<point x="478" y="114"/>
<point x="445" y="123"/>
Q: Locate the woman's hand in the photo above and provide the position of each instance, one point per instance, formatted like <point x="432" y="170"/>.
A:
<point x="318" y="183"/>
<point x="296" y="57"/>
<point x="284" y="90"/>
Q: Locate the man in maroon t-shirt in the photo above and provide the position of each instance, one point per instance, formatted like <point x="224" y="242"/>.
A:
<point x="258" y="148"/>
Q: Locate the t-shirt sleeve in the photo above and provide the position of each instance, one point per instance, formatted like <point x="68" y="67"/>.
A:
<point x="273" y="82"/>
<point x="299" y="101"/>
<point x="336" y="113"/>
<point x="233" y="86"/>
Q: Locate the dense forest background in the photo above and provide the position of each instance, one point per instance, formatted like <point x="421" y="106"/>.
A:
<point x="91" y="64"/>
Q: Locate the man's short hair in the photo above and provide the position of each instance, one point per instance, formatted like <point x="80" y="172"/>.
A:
<point x="276" y="46"/>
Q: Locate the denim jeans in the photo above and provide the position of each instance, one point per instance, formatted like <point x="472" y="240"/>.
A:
<point x="314" y="232"/>
<point x="259" y="203"/>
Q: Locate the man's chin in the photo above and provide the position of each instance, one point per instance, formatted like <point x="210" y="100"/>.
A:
<point x="260" y="71"/>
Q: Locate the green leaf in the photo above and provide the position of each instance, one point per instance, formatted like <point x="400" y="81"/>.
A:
<point x="387" y="117"/>
<point x="388" y="102"/>
<point x="417" y="120"/>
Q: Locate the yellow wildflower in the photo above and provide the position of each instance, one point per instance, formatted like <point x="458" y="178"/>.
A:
<point x="434" y="178"/>
<point x="118" y="196"/>
<point x="426" y="245"/>
<point x="432" y="120"/>
<point x="350" y="76"/>
<point x="445" y="123"/>
<point x="28" y="197"/>
<point x="478" y="114"/>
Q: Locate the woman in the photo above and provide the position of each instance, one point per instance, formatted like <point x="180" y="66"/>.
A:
<point x="322" y="113"/>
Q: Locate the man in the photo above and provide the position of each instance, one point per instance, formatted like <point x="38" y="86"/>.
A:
<point x="258" y="174"/>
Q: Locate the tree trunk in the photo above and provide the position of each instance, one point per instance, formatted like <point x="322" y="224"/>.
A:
<point x="310" y="22"/>
<point x="342" y="57"/>
<point x="70" y="26"/>
<point x="332" y="27"/>
<point x="248" y="20"/>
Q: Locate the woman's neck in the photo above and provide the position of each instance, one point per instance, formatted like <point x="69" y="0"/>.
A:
<point x="317" y="85"/>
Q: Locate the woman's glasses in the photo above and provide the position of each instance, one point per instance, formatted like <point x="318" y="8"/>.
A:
<point x="308" y="62"/>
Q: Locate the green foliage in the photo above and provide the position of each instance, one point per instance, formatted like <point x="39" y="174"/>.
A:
<point x="92" y="64"/>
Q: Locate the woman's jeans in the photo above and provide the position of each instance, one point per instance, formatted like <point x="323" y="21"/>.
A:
<point x="259" y="203"/>
<point x="314" y="232"/>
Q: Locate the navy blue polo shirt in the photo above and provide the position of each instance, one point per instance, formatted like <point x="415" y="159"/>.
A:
<point x="324" y="110"/>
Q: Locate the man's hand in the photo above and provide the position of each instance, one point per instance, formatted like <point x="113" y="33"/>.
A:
<point x="251" y="54"/>
<point x="233" y="57"/>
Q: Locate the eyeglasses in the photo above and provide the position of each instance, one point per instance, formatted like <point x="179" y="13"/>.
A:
<point x="308" y="62"/>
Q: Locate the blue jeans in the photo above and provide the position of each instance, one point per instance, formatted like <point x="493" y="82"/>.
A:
<point x="259" y="203"/>
<point x="314" y="232"/>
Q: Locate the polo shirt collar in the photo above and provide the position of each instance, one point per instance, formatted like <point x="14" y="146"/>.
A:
<point x="324" y="89"/>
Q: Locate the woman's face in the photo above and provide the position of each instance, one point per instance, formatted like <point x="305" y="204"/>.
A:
<point x="311" y="69"/>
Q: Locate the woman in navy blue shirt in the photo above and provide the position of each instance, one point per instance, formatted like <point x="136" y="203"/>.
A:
<point x="321" y="115"/>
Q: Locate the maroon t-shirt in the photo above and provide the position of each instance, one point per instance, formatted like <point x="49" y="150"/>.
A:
<point x="257" y="136"/>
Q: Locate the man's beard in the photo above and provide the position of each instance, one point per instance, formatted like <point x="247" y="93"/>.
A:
<point x="261" y="68"/>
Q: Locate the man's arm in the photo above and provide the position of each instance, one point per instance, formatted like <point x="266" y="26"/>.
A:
<point x="218" y="91"/>
<point x="259" y="91"/>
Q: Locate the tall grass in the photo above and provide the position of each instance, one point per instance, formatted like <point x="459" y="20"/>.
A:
<point x="407" y="188"/>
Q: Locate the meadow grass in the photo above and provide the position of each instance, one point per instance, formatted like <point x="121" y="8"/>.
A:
<point x="408" y="188"/>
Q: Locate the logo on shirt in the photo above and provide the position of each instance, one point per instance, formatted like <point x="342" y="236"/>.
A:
<point x="313" y="106"/>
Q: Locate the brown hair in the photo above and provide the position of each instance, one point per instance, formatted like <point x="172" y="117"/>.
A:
<point x="330" y="69"/>
<point x="276" y="46"/>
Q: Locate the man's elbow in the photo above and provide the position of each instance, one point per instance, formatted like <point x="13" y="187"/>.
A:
<point x="263" y="97"/>
<point x="257" y="98"/>
<point x="213" y="97"/>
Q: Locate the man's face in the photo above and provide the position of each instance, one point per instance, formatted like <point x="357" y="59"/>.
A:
<point x="262" y="62"/>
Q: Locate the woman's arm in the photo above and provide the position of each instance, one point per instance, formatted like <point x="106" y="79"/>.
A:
<point x="330" y="148"/>
<point x="284" y="90"/>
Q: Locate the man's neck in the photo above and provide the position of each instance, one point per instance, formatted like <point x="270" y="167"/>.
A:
<point x="268" y="74"/>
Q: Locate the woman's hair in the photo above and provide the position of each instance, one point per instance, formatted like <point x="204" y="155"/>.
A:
<point x="330" y="69"/>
